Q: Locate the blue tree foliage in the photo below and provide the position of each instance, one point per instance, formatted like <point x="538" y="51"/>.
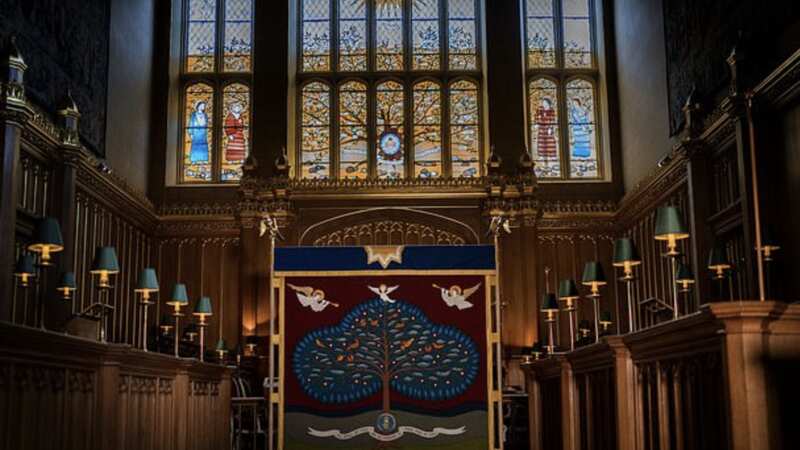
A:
<point x="378" y="343"/>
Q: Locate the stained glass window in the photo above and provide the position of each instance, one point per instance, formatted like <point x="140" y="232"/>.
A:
<point x="410" y="124"/>
<point x="427" y="130"/>
<point x="216" y="93"/>
<point x="198" y="136"/>
<point x="562" y="107"/>
<point x="315" y="135"/>
<point x="201" y="34"/>
<point x="390" y="111"/>
<point x="465" y="129"/>
<point x="582" y="129"/>
<point x="425" y="34"/>
<point x="388" y="35"/>
<point x="316" y="38"/>
<point x="352" y="35"/>
<point x="577" y="33"/>
<point x="544" y="134"/>
<point x="236" y="130"/>
<point x="462" y="35"/>
<point x="353" y="130"/>
<point x="541" y="35"/>
<point x="238" y="35"/>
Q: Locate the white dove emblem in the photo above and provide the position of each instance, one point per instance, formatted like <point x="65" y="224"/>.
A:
<point x="312" y="298"/>
<point x="383" y="292"/>
<point x="455" y="297"/>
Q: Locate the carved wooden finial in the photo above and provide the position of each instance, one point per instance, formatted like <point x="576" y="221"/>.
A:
<point x="250" y="164"/>
<point x="12" y="55"/>
<point x="525" y="162"/>
<point x="691" y="113"/>
<point x="282" y="163"/>
<point x="494" y="163"/>
<point x="735" y="67"/>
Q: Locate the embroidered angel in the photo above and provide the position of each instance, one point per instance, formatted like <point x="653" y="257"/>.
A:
<point x="383" y="292"/>
<point x="312" y="298"/>
<point x="455" y="297"/>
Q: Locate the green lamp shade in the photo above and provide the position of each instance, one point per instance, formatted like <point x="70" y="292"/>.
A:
<point x="593" y="274"/>
<point x="605" y="317"/>
<point x="105" y="260"/>
<point x="625" y="253"/>
<point x="221" y="346"/>
<point x="179" y="295"/>
<point x="568" y="289"/>
<point x="585" y="325"/>
<point x="147" y="280"/>
<point x="549" y="302"/>
<point x="203" y="307"/>
<point x="685" y="274"/>
<point x="537" y="348"/>
<point x="67" y="281"/>
<point x="717" y="259"/>
<point x="669" y="224"/>
<point x="25" y="265"/>
<point x="47" y="235"/>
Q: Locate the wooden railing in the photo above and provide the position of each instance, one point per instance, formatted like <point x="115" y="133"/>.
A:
<point x="58" y="391"/>
<point x="700" y="382"/>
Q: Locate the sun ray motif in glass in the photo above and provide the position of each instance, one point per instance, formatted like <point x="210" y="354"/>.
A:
<point x="462" y="35"/>
<point x="198" y="148"/>
<point x="235" y="130"/>
<point x="201" y="32"/>
<point x="353" y="130"/>
<point x="315" y="134"/>
<point x="316" y="36"/>
<point x="425" y="35"/>
<point x="427" y="130"/>
<point x="390" y="111"/>
<point x="540" y="34"/>
<point x="577" y="34"/>
<point x="582" y="129"/>
<point x="388" y="36"/>
<point x="544" y="130"/>
<point x="238" y="35"/>
<point x="465" y="135"/>
<point x="352" y="35"/>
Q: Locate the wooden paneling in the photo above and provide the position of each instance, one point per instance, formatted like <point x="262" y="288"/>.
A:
<point x="35" y="178"/>
<point x="596" y="401"/>
<point x="208" y="267"/>
<point x="552" y="436"/>
<point x="698" y="382"/>
<point x="62" y="392"/>
<point x="98" y="224"/>
<point x="565" y="254"/>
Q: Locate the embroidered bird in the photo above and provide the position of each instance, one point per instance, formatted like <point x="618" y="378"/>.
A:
<point x="383" y="292"/>
<point x="312" y="298"/>
<point x="455" y="297"/>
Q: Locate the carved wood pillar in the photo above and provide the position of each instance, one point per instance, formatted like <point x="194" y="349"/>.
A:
<point x="569" y="408"/>
<point x="747" y="391"/>
<point x="14" y="112"/>
<point x="625" y="383"/>
<point x="505" y="83"/>
<point x="534" y="410"/>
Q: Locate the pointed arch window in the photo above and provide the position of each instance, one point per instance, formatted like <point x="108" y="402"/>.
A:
<point x="216" y="97"/>
<point x="395" y="108"/>
<point x="562" y="89"/>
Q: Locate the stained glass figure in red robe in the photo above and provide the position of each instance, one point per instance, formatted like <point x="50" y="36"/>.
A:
<point x="545" y="122"/>
<point x="234" y="132"/>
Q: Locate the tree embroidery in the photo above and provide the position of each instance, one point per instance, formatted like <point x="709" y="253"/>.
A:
<point x="380" y="346"/>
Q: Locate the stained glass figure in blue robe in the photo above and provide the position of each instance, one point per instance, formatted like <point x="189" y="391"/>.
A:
<point x="580" y="122"/>
<point x="198" y="126"/>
